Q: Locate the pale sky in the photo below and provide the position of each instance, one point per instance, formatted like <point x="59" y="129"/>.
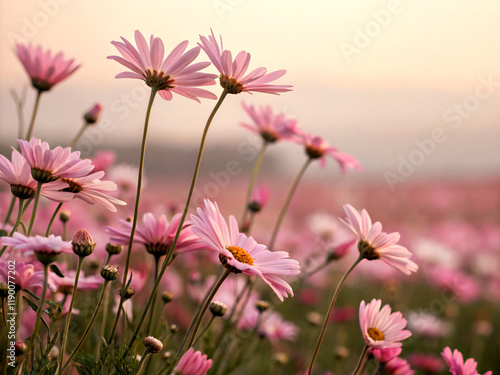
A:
<point x="372" y="77"/>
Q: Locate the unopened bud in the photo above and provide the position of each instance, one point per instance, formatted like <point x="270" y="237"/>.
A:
<point x="341" y="352"/>
<point x="20" y="348"/>
<point x="280" y="358"/>
<point x="4" y="290"/>
<point x="167" y="297"/>
<point x="64" y="216"/>
<point x="254" y="206"/>
<point x="83" y="244"/>
<point x="113" y="249"/>
<point x="92" y="115"/>
<point x="217" y="308"/>
<point x="314" y="319"/>
<point x="174" y="328"/>
<point x="167" y="355"/>
<point x="152" y="344"/>
<point x="109" y="273"/>
<point x="262" y="306"/>
<point x="128" y="293"/>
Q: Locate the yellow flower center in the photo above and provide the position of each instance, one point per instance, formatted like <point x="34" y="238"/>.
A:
<point x="240" y="255"/>
<point x="376" y="334"/>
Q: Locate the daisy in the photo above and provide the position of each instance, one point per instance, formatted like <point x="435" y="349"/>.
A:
<point x="26" y="276"/>
<point x="193" y="363"/>
<point x="374" y="244"/>
<point x="92" y="115"/>
<point x="380" y="328"/>
<point x="240" y="253"/>
<point x="44" y="69"/>
<point x="173" y="74"/>
<point x="46" y="249"/>
<point x="48" y="165"/>
<point x="232" y="73"/>
<point x="455" y="362"/>
<point x="398" y="366"/>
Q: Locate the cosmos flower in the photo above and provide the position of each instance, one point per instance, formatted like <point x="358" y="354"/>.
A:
<point x="455" y="362"/>
<point x="44" y="69"/>
<point x="173" y="74"/>
<point x="398" y="366"/>
<point x="374" y="244"/>
<point x="275" y="328"/>
<point x="46" y="249"/>
<point x="232" y="73"/>
<point x="428" y="363"/>
<point x="193" y="363"/>
<point x="241" y="253"/>
<point x="380" y="328"/>
<point x="26" y="276"/>
<point x="386" y="354"/>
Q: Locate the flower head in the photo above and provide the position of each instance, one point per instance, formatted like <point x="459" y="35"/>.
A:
<point x="374" y="244"/>
<point x="92" y="115"/>
<point x="173" y="74"/>
<point x="380" y="328"/>
<point x="193" y="363"/>
<point x="153" y="345"/>
<point x="241" y="253"/>
<point x="259" y="198"/>
<point x="232" y="73"/>
<point x="398" y="366"/>
<point x="455" y="362"/>
<point x="44" y="69"/>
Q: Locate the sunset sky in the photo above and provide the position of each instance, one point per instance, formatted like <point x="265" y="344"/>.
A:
<point x="374" y="78"/>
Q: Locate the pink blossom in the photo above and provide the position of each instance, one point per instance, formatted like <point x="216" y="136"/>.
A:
<point x="173" y="74"/>
<point x="193" y="363"/>
<point x="46" y="249"/>
<point x="429" y="363"/>
<point x="275" y="328"/>
<point x="398" y="366"/>
<point x="65" y="284"/>
<point x="232" y="73"/>
<point x="44" y="69"/>
<point x="92" y="115"/>
<point x="25" y="278"/>
<point x="102" y="160"/>
<point x="428" y="325"/>
<point x="259" y="198"/>
<point x="386" y="354"/>
<point x="455" y="362"/>
<point x="242" y="253"/>
<point x="464" y="287"/>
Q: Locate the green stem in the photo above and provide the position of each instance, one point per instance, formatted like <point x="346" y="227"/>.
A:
<point x="170" y="253"/>
<point x="35" y="206"/>
<point x="33" y="116"/>
<point x="53" y="218"/>
<point x="89" y="326"/>
<point x="18" y="220"/>
<point x="143" y="360"/>
<point x="329" y="313"/>
<point x="136" y="209"/>
<point x="104" y="319"/>
<point x="68" y="316"/>
<point x="288" y="199"/>
<point x="9" y="211"/>
<point x="253" y="178"/>
<point x="78" y="135"/>
<point x="204" y="330"/>
<point x="359" y="366"/>
<point x="152" y="309"/>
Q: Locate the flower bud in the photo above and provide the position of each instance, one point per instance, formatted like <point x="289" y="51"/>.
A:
<point x="83" y="244"/>
<point x="64" y="216"/>
<point x="92" y="115"/>
<point x="128" y="293"/>
<point x="174" y="328"/>
<point x="4" y="290"/>
<point x="314" y="319"/>
<point x="280" y="358"/>
<point x="341" y="352"/>
<point x="167" y="297"/>
<point x="113" y="249"/>
<point x="217" y="308"/>
<point x="20" y="348"/>
<point x="153" y="345"/>
<point x="109" y="273"/>
<point x="254" y="206"/>
<point x="262" y="306"/>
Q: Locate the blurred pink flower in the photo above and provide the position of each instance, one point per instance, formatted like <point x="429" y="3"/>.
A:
<point x="374" y="244"/>
<point x="386" y="354"/>
<point x="428" y="325"/>
<point x="48" y="165"/>
<point x="44" y="69"/>
<point x="26" y="276"/>
<point x="242" y="253"/>
<point x="102" y="160"/>
<point x="171" y="74"/>
<point x="92" y="115"/>
<point x="259" y="198"/>
<point x="380" y="328"/>
<point x="455" y="362"/>
<point x="317" y="148"/>
<point x="429" y="363"/>
<point x="46" y="249"/>
<point x="91" y="190"/>
<point x="398" y="366"/>
<point x="232" y="73"/>
<point x="272" y="127"/>
<point x="193" y="363"/>
<point x="464" y="287"/>
<point x="65" y="284"/>
<point x="275" y="328"/>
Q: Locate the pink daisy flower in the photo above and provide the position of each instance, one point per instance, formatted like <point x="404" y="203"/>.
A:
<point x="232" y="73"/>
<point x="48" y="165"/>
<point x="91" y="190"/>
<point x="386" y="354"/>
<point x="380" y="328"/>
<point x="374" y="244"/>
<point x="65" y="284"/>
<point x="428" y="363"/>
<point x="175" y="73"/>
<point x="26" y="276"/>
<point x="46" y="249"/>
<point x="276" y="329"/>
<point x="455" y="362"/>
<point x="241" y="253"/>
<point x="18" y="175"/>
<point x="317" y="148"/>
<point x="271" y="126"/>
<point x="92" y="115"/>
<point x="193" y="363"/>
<point x="259" y="198"/>
<point x="157" y="235"/>
<point x="398" y="366"/>
<point x="44" y="69"/>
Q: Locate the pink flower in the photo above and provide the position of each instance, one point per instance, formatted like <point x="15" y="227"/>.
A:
<point x="374" y="244"/>
<point x="398" y="366"/>
<point x="22" y="184"/>
<point x="271" y="126"/>
<point x="275" y="328"/>
<point x="242" y="253"/>
<point x="91" y="190"/>
<point x="386" y="354"/>
<point x="455" y="362"/>
<point x="429" y="363"/>
<point x="259" y="198"/>
<point x="48" y="165"/>
<point x="380" y="328"/>
<point x="44" y="69"/>
<point x="157" y="235"/>
<point x="92" y="115"/>
<point x="428" y="325"/>
<point x="317" y="148"/>
<point x="65" y="284"/>
<point x="26" y="276"/>
<point x="193" y="363"/>
<point x="232" y="73"/>
<point x="102" y="160"/>
<point x="172" y="74"/>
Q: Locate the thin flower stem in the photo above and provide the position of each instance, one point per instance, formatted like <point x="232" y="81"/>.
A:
<point x="361" y="362"/>
<point x="329" y="313"/>
<point x="204" y="330"/>
<point x="35" y="206"/>
<point x="170" y="253"/>
<point x="68" y="316"/>
<point x="136" y="209"/>
<point x="143" y="360"/>
<point x="53" y="218"/>
<point x="104" y="319"/>
<point x="33" y="116"/>
<point x="20" y="100"/>
<point x="9" y="211"/>
<point x="18" y="220"/>
<point x="253" y="178"/>
<point x="78" y="135"/>
<point x="152" y="309"/>
<point x="89" y="326"/>
<point x="288" y="199"/>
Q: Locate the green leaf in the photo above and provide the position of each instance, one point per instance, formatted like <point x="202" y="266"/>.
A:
<point x="56" y="270"/>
